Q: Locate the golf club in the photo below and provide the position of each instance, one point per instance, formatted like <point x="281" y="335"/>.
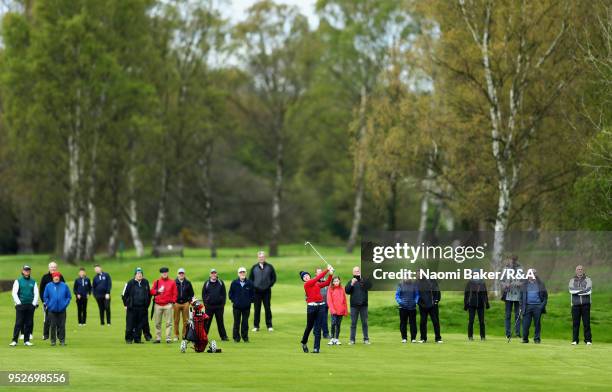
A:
<point x="317" y="252"/>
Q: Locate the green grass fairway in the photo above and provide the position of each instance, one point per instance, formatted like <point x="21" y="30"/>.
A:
<point x="99" y="360"/>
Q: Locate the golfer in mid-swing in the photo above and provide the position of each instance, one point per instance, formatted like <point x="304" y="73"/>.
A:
<point x="314" y="301"/>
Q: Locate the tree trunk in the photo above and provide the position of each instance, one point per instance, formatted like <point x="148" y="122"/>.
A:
<point x="71" y="223"/>
<point x="81" y="238"/>
<point x="113" y="238"/>
<point x="90" y="244"/>
<point x="132" y="218"/>
<point x="208" y="202"/>
<point x="360" y="175"/>
<point x="161" y="210"/>
<point x="92" y="221"/>
<point x="501" y="225"/>
<point x="425" y="200"/>
<point x="276" y="200"/>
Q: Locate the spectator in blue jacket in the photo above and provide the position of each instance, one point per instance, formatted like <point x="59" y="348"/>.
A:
<point x="407" y="297"/>
<point x="101" y="286"/>
<point x="82" y="290"/>
<point x="534" y="297"/>
<point x="242" y="294"/>
<point x="57" y="297"/>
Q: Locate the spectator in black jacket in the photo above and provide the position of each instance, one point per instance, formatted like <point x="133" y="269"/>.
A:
<point x="46" y="279"/>
<point x="429" y="297"/>
<point x="241" y="294"/>
<point x="475" y="300"/>
<point x="101" y="288"/>
<point x="184" y="296"/>
<point x="358" y="288"/>
<point x="214" y="296"/>
<point x="263" y="277"/>
<point x="136" y="298"/>
<point x="81" y="290"/>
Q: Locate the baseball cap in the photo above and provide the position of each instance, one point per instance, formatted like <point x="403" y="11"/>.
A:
<point x="137" y="270"/>
<point x="26" y="267"/>
<point x="241" y="269"/>
<point x="181" y="270"/>
<point x="213" y="271"/>
<point x="163" y="269"/>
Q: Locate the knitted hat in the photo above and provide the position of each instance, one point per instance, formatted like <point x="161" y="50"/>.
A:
<point x="56" y="274"/>
<point x="137" y="270"/>
<point x="303" y="273"/>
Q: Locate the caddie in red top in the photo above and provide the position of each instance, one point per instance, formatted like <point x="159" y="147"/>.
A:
<point x="165" y="293"/>
<point x="314" y="310"/>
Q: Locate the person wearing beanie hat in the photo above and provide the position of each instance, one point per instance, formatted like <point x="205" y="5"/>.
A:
<point x="314" y="301"/>
<point x="25" y="296"/>
<point x="242" y="295"/>
<point x="44" y="281"/>
<point x="136" y="297"/>
<point x="57" y="297"/>
<point x="82" y="290"/>
<point x="165" y="295"/>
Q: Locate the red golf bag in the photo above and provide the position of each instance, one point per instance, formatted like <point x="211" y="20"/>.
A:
<point x="196" y="333"/>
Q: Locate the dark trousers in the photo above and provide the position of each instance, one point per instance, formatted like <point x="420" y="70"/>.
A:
<point x="532" y="312"/>
<point x="516" y="320"/>
<point x="433" y="313"/>
<point x="46" y="322"/>
<point x="218" y="314"/>
<point x="264" y="296"/>
<point x="57" y="326"/>
<point x="24" y="321"/>
<point x="135" y="320"/>
<point x="82" y="309"/>
<point x="336" y="322"/>
<point x="323" y="321"/>
<point x="582" y="312"/>
<point x="313" y="322"/>
<point x="408" y="315"/>
<point x="146" y="330"/>
<point x="241" y="324"/>
<point x="359" y="312"/>
<point x="104" y="307"/>
<point x="481" y="321"/>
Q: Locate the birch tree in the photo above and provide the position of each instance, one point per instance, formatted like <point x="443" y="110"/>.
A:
<point x="517" y="67"/>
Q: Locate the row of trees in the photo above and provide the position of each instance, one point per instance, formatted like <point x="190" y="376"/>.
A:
<point x="161" y="120"/>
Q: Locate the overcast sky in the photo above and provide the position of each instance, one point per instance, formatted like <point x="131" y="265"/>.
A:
<point x="238" y="8"/>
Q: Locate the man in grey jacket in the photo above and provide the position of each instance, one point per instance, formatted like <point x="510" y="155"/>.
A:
<point x="263" y="277"/>
<point x="580" y="287"/>
<point x="511" y="286"/>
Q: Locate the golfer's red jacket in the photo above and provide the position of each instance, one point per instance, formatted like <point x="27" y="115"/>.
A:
<point x="312" y="287"/>
<point x="168" y="295"/>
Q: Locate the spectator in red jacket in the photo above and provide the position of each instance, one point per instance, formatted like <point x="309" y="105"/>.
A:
<point x="314" y="308"/>
<point x="165" y="293"/>
<point x="336" y="302"/>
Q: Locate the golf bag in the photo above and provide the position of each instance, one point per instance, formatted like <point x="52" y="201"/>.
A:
<point x="196" y="333"/>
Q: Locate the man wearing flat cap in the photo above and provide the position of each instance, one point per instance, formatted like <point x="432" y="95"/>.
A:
<point x="165" y="293"/>
<point x="25" y="296"/>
